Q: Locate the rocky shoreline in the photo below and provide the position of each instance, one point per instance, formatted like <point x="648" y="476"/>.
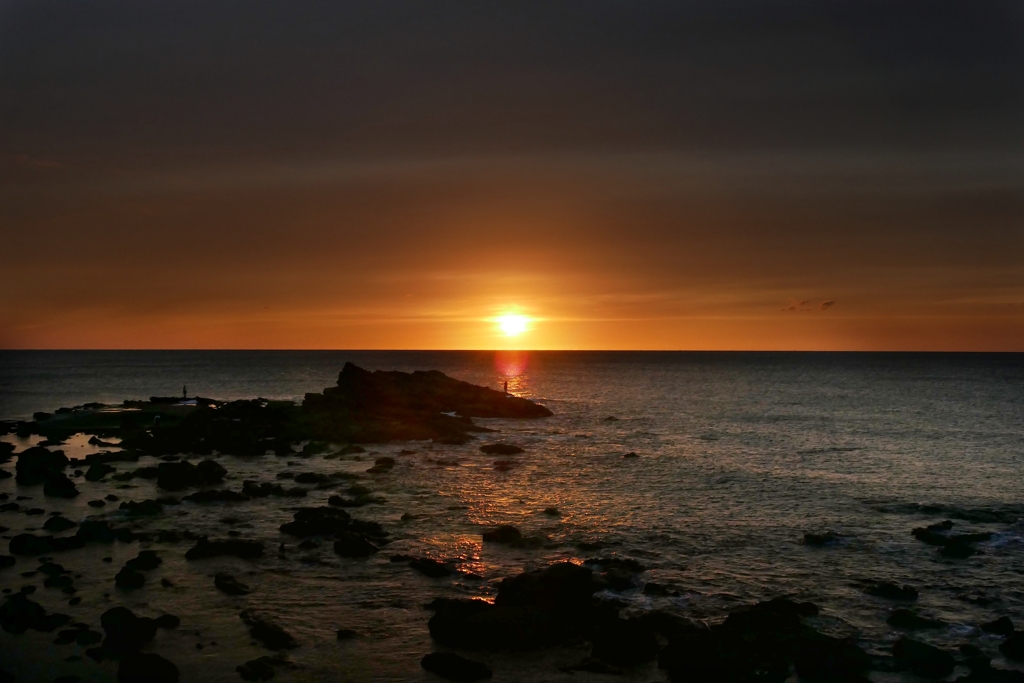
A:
<point x="564" y="603"/>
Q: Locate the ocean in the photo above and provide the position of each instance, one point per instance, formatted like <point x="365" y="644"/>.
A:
<point x="738" y="455"/>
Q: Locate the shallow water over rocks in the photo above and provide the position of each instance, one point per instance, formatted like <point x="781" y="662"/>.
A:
<point x="737" y="458"/>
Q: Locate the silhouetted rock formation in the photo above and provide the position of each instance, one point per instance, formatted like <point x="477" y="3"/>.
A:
<point x="385" y="406"/>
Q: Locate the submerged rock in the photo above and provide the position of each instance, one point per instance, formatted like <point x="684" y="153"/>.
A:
<point x="501" y="449"/>
<point x="454" y="667"/>
<point x="266" y="631"/>
<point x="430" y="567"/>
<point x="505" y="533"/>
<point x="818" y="540"/>
<point x="226" y="583"/>
<point x="1002" y="626"/>
<point x="263" y="668"/>
<point x="891" y="591"/>
<point x="129" y="578"/>
<point x="911" y="621"/>
<point x="353" y="545"/>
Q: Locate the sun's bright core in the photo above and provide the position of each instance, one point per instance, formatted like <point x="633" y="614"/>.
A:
<point x="513" y="324"/>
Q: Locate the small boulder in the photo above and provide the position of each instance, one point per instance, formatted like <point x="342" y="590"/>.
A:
<point x="1002" y="626"/>
<point x="129" y="578"/>
<point x="268" y="632"/>
<point x="506" y="533"/>
<point x="911" y="621"/>
<point x="818" y="540"/>
<point x="430" y="567"/>
<point x="891" y="591"/>
<point x="624" y="642"/>
<point x="353" y="545"/>
<point x="501" y="449"/>
<point x="229" y="584"/>
<point x="57" y="524"/>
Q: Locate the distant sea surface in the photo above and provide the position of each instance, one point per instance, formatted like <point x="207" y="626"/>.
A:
<point x="738" y="455"/>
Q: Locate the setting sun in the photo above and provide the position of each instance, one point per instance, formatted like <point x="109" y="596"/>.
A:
<point x="512" y="324"/>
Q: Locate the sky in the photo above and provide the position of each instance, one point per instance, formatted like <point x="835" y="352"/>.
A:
<point x="684" y="174"/>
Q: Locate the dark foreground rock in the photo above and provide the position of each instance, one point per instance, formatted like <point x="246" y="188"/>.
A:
<point x="146" y="667"/>
<point x="535" y="609"/>
<point x="263" y="668"/>
<point x="760" y="643"/>
<point x="455" y="668"/>
<point x="175" y="476"/>
<point x="923" y="659"/>
<point x="18" y="614"/>
<point x="125" y="632"/>
<point x="37" y="463"/>
<point x="385" y="406"/>
<point x="1013" y="646"/>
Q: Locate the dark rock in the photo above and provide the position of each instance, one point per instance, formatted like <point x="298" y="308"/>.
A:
<point x="261" y="490"/>
<point x="226" y="583"/>
<point x="95" y="531"/>
<point x="501" y="449"/>
<point x="125" y="632"/>
<point x="129" y="578"/>
<point x="6" y="561"/>
<point x="386" y="406"/>
<point x="262" y="668"/>
<point x="1001" y="626"/>
<point x="505" y="533"/>
<point x="167" y="621"/>
<point x="209" y="473"/>
<point x="246" y="550"/>
<point x="37" y="463"/>
<point x="818" y="540"/>
<point x="346" y="634"/>
<point x="1013" y="646"/>
<point x="18" y="614"/>
<point x="535" y="609"/>
<point x="271" y="634"/>
<point x="29" y="544"/>
<point x="552" y="512"/>
<point x="58" y="524"/>
<point x="323" y="521"/>
<point x="146" y="667"/>
<point x="631" y="454"/>
<point x="958" y="550"/>
<point x="145" y="561"/>
<point x="97" y="471"/>
<point x="382" y="465"/>
<point x="624" y="642"/>
<point x="96" y="503"/>
<point x="910" y="621"/>
<point x="353" y="545"/>
<point x="455" y="668"/>
<point x="431" y="568"/>
<point x="891" y="591"/>
<point x="923" y="659"/>
<point x="57" y="485"/>
<point x="145" y="508"/>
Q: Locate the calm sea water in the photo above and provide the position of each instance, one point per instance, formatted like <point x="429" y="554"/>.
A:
<point x="740" y="454"/>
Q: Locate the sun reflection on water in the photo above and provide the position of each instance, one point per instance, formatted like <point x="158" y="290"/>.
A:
<point x="511" y="368"/>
